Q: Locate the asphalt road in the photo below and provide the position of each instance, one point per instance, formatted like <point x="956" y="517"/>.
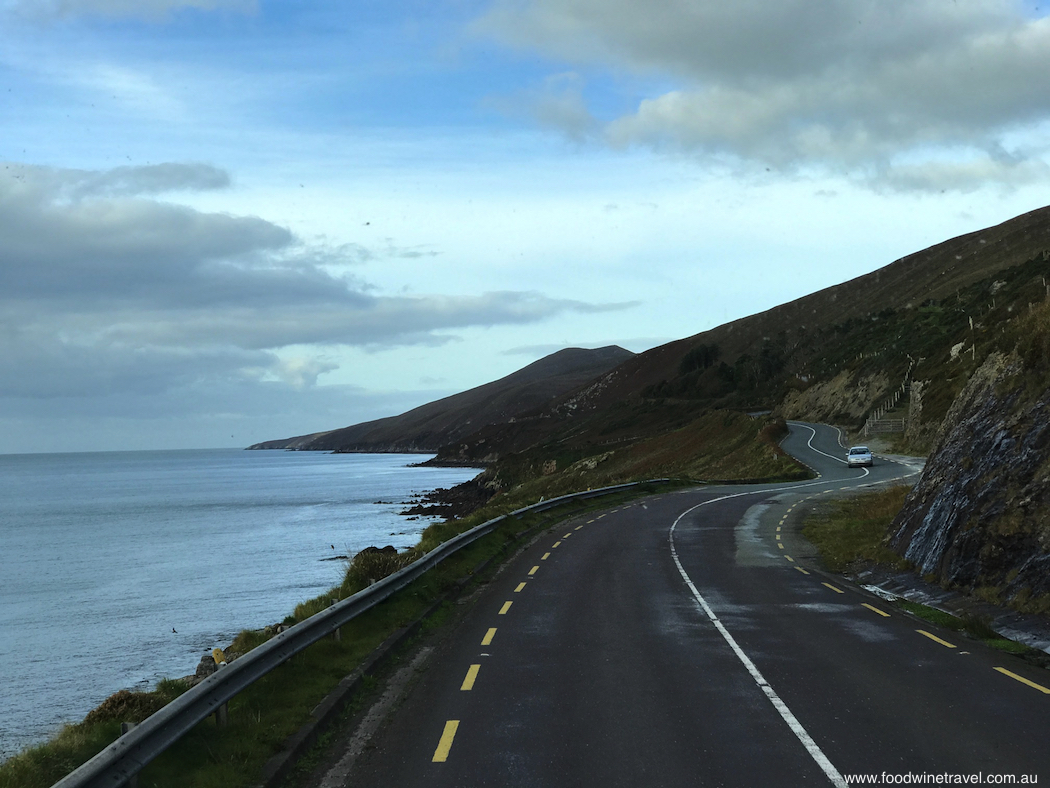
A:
<point x="689" y="639"/>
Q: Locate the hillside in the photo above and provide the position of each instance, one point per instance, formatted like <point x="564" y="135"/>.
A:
<point x="977" y="520"/>
<point x="834" y="355"/>
<point x="960" y="330"/>
<point x="444" y="421"/>
<point x="920" y="326"/>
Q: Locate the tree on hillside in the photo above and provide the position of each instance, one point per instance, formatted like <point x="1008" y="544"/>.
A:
<point x="699" y="358"/>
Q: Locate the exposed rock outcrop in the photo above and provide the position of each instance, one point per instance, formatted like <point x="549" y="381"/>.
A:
<point x="457" y="501"/>
<point x="979" y="518"/>
<point x="845" y="399"/>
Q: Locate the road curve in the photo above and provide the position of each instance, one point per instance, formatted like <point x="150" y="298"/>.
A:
<point x="689" y="639"/>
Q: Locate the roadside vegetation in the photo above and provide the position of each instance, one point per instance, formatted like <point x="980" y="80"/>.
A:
<point x="712" y="446"/>
<point x="975" y="627"/>
<point x="852" y="532"/>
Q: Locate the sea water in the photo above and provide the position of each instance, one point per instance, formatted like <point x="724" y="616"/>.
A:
<point x="121" y="568"/>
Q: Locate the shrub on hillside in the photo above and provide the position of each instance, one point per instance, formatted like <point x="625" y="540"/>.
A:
<point x="372" y="565"/>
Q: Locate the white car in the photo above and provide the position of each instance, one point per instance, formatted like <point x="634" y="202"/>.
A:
<point x="859" y="455"/>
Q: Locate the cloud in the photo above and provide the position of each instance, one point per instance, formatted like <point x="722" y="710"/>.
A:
<point x="105" y="289"/>
<point x="96" y="238"/>
<point x="558" y="103"/>
<point x="842" y="86"/>
<point x="121" y="181"/>
<point x="963" y="176"/>
<point x="301" y="372"/>
<point x="536" y="351"/>
<point x="140" y="9"/>
<point x="134" y="88"/>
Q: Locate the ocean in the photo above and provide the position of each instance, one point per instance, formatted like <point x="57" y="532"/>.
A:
<point x="121" y="568"/>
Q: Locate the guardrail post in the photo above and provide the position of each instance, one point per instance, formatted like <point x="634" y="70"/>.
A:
<point x="337" y="634"/>
<point x="127" y="727"/>
<point x="222" y="714"/>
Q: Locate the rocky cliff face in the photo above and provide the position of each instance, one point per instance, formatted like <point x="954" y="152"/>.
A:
<point x="845" y="399"/>
<point x="979" y="518"/>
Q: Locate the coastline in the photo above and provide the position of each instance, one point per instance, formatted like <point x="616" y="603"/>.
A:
<point x="155" y="578"/>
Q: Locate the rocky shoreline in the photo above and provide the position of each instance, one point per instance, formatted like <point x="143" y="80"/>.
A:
<point x="454" y="502"/>
<point x="447" y="503"/>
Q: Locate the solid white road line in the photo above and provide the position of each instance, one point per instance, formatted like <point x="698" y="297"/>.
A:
<point x="796" y="727"/>
<point x="809" y="443"/>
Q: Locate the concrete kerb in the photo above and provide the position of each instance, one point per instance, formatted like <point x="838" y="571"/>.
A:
<point x="326" y="713"/>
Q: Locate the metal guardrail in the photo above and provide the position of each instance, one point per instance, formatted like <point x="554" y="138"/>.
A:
<point x="118" y="763"/>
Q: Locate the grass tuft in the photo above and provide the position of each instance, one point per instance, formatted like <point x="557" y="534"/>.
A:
<point x="977" y="627"/>
<point x="369" y="567"/>
<point x="853" y="531"/>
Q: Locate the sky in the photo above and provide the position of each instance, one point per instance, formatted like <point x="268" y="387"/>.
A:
<point x="229" y="221"/>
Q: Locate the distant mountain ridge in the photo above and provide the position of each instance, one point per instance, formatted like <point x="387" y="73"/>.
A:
<point x="444" y="421"/>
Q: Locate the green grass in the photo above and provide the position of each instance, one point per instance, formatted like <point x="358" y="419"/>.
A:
<point x="853" y="531"/>
<point x="932" y="614"/>
<point x="975" y="626"/>
<point x="265" y="714"/>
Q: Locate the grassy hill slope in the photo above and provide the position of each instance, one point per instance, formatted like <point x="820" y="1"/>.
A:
<point x="443" y="421"/>
<point x="833" y="355"/>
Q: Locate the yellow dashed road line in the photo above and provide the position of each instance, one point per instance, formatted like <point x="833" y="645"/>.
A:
<point x="533" y="571"/>
<point x="545" y="556"/>
<point x="506" y="606"/>
<point x="935" y="639"/>
<point x="487" y="640"/>
<point x="836" y="590"/>
<point x="472" y="676"/>
<point x="556" y="544"/>
<point x="1023" y="680"/>
<point x="874" y="609"/>
<point x="789" y="558"/>
<point x="519" y="588"/>
<point x="445" y="744"/>
<point x="803" y="571"/>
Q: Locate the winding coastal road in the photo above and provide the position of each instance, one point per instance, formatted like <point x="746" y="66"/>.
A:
<point x="690" y="639"/>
